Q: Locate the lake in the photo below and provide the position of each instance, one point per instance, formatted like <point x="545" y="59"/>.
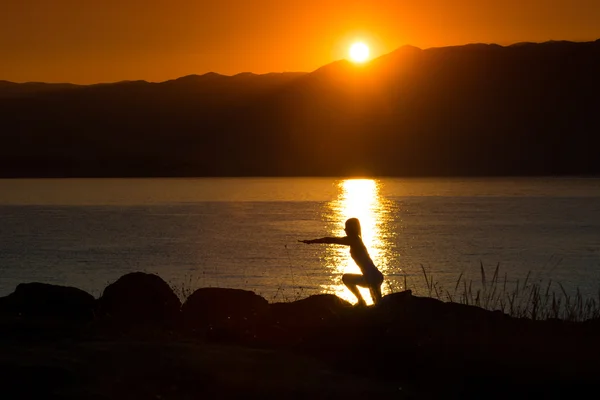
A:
<point x="243" y="233"/>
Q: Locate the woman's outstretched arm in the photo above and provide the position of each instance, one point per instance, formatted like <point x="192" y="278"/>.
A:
<point x="328" y="240"/>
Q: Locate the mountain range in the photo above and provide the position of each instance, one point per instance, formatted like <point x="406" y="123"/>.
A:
<point x="472" y="110"/>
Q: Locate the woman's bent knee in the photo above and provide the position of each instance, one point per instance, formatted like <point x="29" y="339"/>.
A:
<point x="353" y="279"/>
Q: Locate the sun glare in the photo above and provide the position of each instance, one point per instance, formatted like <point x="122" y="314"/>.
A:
<point x="359" y="52"/>
<point x="358" y="198"/>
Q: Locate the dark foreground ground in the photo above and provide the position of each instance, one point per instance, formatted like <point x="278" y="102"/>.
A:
<point x="134" y="369"/>
<point x="139" y="342"/>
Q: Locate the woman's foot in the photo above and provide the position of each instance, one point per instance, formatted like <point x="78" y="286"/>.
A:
<point x="361" y="303"/>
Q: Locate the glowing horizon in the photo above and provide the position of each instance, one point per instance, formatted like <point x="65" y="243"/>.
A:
<point x="114" y="40"/>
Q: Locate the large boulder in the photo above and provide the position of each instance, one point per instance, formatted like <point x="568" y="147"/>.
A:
<point x="45" y="300"/>
<point x="313" y="310"/>
<point x="297" y="321"/>
<point x="224" y="314"/>
<point x="395" y="303"/>
<point x="429" y="311"/>
<point x="424" y="319"/>
<point x="140" y="299"/>
<point x="5" y="305"/>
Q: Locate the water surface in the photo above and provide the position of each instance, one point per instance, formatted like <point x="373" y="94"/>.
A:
<point x="243" y="233"/>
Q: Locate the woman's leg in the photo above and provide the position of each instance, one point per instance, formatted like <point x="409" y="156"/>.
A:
<point x="375" y="287"/>
<point x="352" y="281"/>
<point x="375" y="293"/>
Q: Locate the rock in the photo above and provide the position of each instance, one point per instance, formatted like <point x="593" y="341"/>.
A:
<point x="427" y="310"/>
<point x="140" y="298"/>
<point x="592" y="324"/>
<point x="4" y="305"/>
<point x="45" y="300"/>
<point x="300" y="320"/>
<point x="224" y="314"/>
<point x="395" y="301"/>
<point x="311" y="311"/>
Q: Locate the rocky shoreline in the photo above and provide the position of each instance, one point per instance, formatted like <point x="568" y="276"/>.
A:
<point x="405" y="347"/>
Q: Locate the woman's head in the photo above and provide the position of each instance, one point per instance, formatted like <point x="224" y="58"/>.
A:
<point x="352" y="227"/>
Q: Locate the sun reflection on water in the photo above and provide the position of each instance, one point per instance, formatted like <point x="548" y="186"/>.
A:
<point x="359" y="198"/>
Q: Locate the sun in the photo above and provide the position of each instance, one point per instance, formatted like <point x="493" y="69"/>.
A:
<point x="359" y="52"/>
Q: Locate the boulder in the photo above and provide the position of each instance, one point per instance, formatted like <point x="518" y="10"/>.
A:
<point x="45" y="300"/>
<point x="311" y="311"/>
<point x="300" y="320"/>
<point x="410" y="317"/>
<point x="139" y="299"/>
<point x="427" y="310"/>
<point x="224" y="314"/>
<point x="593" y="325"/>
<point x="395" y="301"/>
<point x="5" y="305"/>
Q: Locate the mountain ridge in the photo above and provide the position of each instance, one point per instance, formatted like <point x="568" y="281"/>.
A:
<point x="248" y="73"/>
<point x="478" y="109"/>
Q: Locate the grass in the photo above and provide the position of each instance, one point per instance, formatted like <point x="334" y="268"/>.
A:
<point x="527" y="299"/>
<point x="185" y="288"/>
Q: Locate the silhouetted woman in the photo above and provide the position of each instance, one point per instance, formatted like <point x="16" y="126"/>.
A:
<point x="371" y="277"/>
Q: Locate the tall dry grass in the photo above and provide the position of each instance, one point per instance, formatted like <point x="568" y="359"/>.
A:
<point x="526" y="299"/>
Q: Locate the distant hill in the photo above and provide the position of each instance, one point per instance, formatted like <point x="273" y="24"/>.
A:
<point x="11" y="89"/>
<point x="478" y="109"/>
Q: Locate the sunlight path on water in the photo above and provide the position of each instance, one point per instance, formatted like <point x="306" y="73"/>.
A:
<point x="358" y="198"/>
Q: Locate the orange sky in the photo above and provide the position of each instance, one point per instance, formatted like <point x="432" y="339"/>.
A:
<point x="89" y="41"/>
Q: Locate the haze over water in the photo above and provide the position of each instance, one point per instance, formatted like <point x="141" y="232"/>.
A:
<point x="243" y="233"/>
